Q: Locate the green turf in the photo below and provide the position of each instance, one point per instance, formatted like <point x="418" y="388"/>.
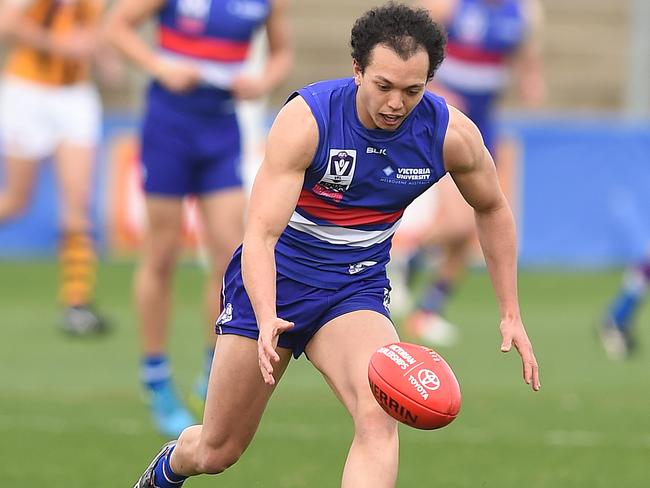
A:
<point x="71" y="414"/>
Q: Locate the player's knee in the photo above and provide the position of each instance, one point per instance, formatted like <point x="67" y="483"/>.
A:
<point x="75" y="222"/>
<point x="161" y="263"/>
<point x="373" y="425"/>
<point x="215" y="460"/>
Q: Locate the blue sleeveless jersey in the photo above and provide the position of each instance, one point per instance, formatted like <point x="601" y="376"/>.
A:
<point x="357" y="187"/>
<point x="214" y="35"/>
<point x="482" y="34"/>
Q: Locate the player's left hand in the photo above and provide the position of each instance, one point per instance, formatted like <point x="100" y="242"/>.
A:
<point x="267" y="341"/>
<point x="514" y="333"/>
<point x="245" y="87"/>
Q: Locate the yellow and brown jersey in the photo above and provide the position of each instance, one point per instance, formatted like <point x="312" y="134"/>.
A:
<point x="60" y="17"/>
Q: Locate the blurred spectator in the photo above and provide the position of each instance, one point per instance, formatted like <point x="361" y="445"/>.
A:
<point x="50" y="108"/>
<point x="488" y="41"/>
<point x="190" y="145"/>
<point x="618" y="320"/>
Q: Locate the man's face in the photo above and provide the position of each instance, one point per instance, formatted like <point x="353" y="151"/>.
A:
<point x="390" y="87"/>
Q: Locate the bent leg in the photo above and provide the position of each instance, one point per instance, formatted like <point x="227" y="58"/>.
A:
<point x="453" y="220"/>
<point x="341" y="350"/>
<point x="237" y="397"/>
<point x="453" y="231"/>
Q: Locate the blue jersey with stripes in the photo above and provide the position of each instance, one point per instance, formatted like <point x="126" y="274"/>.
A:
<point x="215" y="36"/>
<point x="357" y="186"/>
<point x="482" y="34"/>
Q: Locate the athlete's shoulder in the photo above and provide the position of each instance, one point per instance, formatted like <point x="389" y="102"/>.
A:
<point x="324" y="97"/>
<point x="294" y="134"/>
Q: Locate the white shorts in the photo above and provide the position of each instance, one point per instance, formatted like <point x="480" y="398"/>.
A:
<point x="36" y="118"/>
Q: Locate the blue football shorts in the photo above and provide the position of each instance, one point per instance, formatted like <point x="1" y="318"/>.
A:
<point x="308" y="307"/>
<point x="190" y="154"/>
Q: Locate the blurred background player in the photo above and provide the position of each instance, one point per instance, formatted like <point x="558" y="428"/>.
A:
<point x="50" y="108"/>
<point x="191" y="146"/>
<point x="487" y="40"/>
<point x="618" y="321"/>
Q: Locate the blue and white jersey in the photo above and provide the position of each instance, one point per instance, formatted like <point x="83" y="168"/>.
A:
<point x="357" y="186"/>
<point x="482" y="34"/>
<point x="214" y="35"/>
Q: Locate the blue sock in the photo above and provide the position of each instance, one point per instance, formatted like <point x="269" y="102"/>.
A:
<point x="163" y="476"/>
<point x="626" y="303"/>
<point x="435" y="297"/>
<point x="155" y="371"/>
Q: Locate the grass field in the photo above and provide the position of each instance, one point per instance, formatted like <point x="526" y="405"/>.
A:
<point x="71" y="414"/>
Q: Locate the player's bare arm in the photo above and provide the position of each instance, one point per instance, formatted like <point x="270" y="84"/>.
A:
<point x="16" y="27"/>
<point x="279" y="59"/>
<point x="291" y="145"/>
<point x="121" y="29"/>
<point x="472" y="169"/>
<point x="440" y="10"/>
<point x="527" y="60"/>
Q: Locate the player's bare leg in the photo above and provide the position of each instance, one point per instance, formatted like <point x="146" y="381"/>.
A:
<point x="153" y="280"/>
<point x="453" y="220"/>
<point x="152" y="290"/>
<point x="237" y="397"/>
<point x="74" y="168"/>
<point x="341" y="351"/>
<point x="19" y="176"/>
<point x="222" y="215"/>
<point x="74" y="163"/>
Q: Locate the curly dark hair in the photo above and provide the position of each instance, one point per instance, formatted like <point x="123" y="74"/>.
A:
<point x="401" y="28"/>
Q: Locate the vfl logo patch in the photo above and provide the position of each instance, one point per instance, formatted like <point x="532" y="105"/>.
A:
<point x="338" y="175"/>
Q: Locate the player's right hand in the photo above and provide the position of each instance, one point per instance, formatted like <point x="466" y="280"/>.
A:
<point x="176" y="76"/>
<point x="267" y="341"/>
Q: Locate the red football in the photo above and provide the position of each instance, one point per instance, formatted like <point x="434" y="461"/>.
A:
<point x="415" y="385"/>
